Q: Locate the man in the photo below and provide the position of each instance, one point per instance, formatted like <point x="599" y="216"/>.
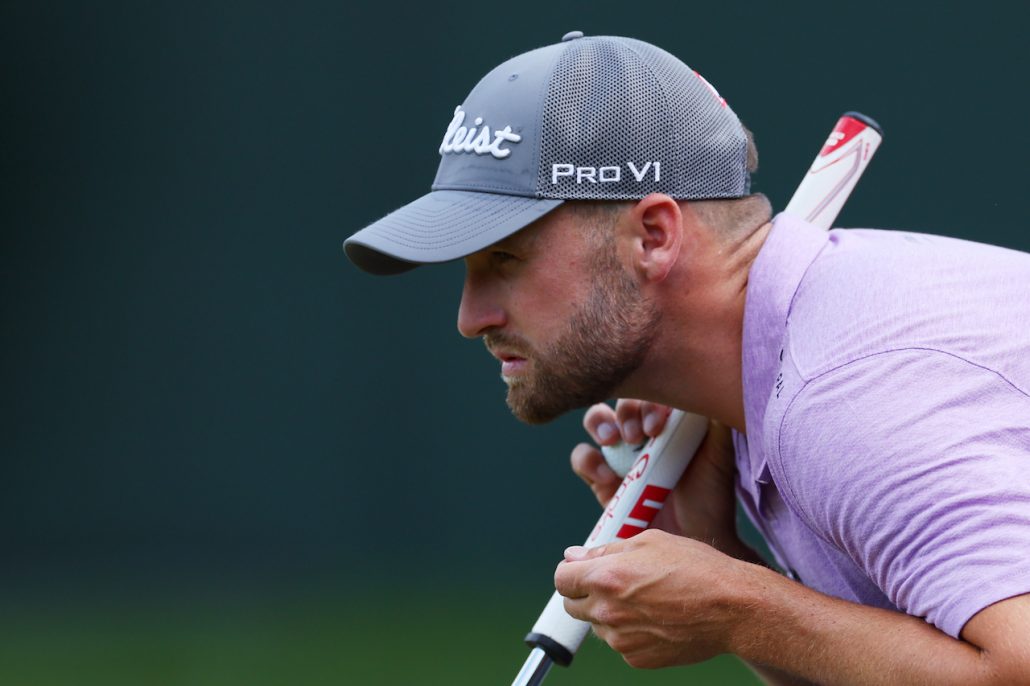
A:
<point x="868" y="390"/>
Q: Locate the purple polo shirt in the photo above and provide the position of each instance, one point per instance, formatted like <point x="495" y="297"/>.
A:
<point x="887" y="399"/>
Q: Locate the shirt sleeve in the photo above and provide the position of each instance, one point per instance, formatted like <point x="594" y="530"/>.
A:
<point x="916" y="464"/>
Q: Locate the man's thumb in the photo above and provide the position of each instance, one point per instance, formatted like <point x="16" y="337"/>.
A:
<point x="578" y="553"/>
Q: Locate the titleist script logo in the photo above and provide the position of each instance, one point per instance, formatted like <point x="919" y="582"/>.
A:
<point x="604" y="174"/>
<point x="460" y="138"/>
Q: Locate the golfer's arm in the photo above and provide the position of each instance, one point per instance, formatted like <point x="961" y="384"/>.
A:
<point x="776" y="677"/>
<point x="790" y="629"/>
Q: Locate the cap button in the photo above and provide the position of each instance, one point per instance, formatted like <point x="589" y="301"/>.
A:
<point x="572" y="35"/>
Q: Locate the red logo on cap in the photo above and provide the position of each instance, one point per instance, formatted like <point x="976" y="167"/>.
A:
<point x="722" y="100"/>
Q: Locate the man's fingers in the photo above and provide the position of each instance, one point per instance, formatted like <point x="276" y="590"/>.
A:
<point x="627" y="412"/>
<point x="569" y="580"/>
<point x="586" y="577"/>
<point x="583" y="568"/>
<point x="580" y="553"/>
<point x="654" y="417"/>
<point x="632" y="421"/>
<point x="601" y="424"/>
<point x="578" y="608"/>
<point x="589" y="465"/>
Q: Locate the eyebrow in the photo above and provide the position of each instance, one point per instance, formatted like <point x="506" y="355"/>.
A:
<point x="520" y="240"/>
<point x="509" y="243"/>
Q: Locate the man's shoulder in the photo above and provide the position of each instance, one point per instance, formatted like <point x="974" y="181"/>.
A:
<point x="889" y="416"/>
<point x="871" y="291"/>
<point x="913" y="463"/>
<point x="905" y="257"/>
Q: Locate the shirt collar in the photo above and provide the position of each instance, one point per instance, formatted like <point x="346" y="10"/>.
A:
<point x="790" y="247"/>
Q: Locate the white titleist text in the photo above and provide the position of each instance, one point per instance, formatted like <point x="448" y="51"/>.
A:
<point x="460" y="138"/>
<point x="611" y="174"/>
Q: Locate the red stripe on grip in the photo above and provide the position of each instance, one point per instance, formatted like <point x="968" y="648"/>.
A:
<point x="846" y="129"/>
<point x="644" y="512"/>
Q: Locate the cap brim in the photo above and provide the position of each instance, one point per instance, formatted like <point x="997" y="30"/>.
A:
<point x="441" y="226"/>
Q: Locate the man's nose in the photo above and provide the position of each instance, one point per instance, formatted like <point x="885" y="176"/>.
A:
<point x="478" y="312"/>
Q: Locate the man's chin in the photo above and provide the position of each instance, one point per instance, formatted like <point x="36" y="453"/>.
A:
<point x="529" y="412"/>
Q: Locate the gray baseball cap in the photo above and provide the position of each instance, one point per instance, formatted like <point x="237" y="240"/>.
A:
<point x="602" y="118"/>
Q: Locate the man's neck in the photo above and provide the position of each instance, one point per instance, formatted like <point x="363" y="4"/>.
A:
<point x="695" y="364"/>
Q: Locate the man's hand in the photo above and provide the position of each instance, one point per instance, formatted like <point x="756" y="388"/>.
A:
<point x="658" y="599"/>
<point x="703" y="505"/>
<point x="664" y="600"/>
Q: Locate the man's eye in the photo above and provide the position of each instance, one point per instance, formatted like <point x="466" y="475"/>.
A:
<point x="502" y="256"/>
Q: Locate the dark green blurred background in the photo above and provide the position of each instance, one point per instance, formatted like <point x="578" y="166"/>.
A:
<point x="227" y="456"/>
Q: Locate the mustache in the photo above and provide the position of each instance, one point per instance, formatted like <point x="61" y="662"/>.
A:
<point x="507" y="342"/>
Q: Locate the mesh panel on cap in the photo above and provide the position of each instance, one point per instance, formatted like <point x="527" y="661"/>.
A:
<point x="616" y="101"/>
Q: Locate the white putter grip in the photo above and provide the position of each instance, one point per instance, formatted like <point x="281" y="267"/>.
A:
<point x="652" y="470"/>
<point x="659" y="464"/>
<point x="836" y="170"/>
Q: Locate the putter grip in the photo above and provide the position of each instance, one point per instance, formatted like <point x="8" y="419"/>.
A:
<point x="652" y="471"/>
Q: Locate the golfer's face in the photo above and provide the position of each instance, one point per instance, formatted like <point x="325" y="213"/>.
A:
<point x="561" y="315"/>
<point x="521" y="292"/>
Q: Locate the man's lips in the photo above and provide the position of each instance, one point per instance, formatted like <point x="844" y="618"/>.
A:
<point x="511" y="363"/>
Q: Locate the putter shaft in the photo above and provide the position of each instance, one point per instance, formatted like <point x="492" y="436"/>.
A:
<point x="534" y="670"/>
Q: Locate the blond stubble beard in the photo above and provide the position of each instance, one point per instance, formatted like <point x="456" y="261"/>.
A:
<point x="606" y="340"/>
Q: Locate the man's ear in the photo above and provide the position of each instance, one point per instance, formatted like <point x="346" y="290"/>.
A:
<point x="652" y="236"/>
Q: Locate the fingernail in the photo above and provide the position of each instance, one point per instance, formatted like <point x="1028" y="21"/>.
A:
<point x="631" y="430"/>
<point x="604" y="473"/>
<point x="606" y="431"/>
<point x="651" y="423"/>
<point x="575" y="552"/>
